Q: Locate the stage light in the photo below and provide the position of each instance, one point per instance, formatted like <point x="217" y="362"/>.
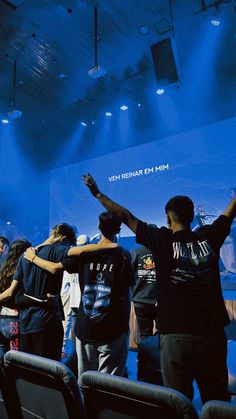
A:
<point x="8" y="222"/>
<point x="215" y="22"/>
<point x="84" y="124"/>
<point x="124" y="108"/>
<point x="108" y="114"/>
<point x="139" y="105"/>
<point x="160" y="91"/>
<point x="5" y="121"/>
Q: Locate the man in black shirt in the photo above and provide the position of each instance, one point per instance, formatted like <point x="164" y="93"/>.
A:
<point x="191" y="310"/>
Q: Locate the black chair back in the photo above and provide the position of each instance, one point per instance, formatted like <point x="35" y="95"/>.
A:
<point x="44" y="388"/>
<point x="216" y="409"/>
<point x="111" y="397"/>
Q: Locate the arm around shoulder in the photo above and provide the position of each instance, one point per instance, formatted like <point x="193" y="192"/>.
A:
<point x="52" y="267"/>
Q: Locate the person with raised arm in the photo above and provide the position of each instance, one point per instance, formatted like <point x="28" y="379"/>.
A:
<point x="191" y="309"/>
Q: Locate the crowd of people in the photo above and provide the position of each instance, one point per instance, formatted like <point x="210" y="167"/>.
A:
<point x="173" y="279"/>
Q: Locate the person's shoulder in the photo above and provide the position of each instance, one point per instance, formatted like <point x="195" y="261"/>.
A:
<point x="123" y="251"/>
<point x="220" y="221"/>
<point x="60" y="245"/>
<point x="59" y="248"/>
<point x="152" y="227"/>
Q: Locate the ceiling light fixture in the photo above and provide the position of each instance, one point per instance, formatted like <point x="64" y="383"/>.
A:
<point x="96" y="71"/>
<point x="14" y="112"/>
<point x="215" y="22"/>
<point x="160" y="91"/>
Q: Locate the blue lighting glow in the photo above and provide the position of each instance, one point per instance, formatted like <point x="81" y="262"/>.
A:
<point x="5" y="121"/>
<point x="108" y="114"/>
<point x="139" y="105"/>
<point x="160" y="91"/>
<point x="84" y="124"/>
<point x="124" y="108"/>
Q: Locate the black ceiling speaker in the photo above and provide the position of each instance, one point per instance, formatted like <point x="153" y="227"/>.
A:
<point x="164" y="55"/>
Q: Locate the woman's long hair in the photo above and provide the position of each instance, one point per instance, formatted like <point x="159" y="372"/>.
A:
<point x="15" y="251"/>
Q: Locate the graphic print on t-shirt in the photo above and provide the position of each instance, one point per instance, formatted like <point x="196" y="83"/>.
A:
<point x="192" y="262"/>
<point x="96" y="296"/>
<point x="146" y="268"/>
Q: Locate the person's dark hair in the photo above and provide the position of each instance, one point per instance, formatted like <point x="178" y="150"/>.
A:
<point x="182" y="207"/>
<point x="15" y="251"/>
<point x="109" y="223"/>
<point x="66" y="230"/>
<point x="4" y="241"/>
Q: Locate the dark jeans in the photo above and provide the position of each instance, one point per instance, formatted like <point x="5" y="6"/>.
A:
<point x="185" y="358"/>
<point x="47" y="343"/>
<point x="146" y="317"/>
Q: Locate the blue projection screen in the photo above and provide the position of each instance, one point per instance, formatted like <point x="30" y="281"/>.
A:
<point x="199" y="163"/>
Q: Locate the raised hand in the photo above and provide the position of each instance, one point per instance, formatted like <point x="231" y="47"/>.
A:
<point x="89" y="181"/>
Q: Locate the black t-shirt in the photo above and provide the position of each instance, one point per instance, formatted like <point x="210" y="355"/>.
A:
<point x="144" y="290"/>
<point x="188" y="281"/>
<point x="105" y="278"/>
<point x="37" y="282"/>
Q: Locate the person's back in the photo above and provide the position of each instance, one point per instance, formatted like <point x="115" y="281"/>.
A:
<point x="37" y="283"/>
<point x="105" y="280"/>
<point x="144" y="290"/>
<point x="191" y="310"/>
<point x="102" y="323"/>
<point x="41" y="326"/>
<point x="190" y="297"/>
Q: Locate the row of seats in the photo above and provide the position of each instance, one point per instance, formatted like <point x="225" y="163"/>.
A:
<point x="33" y="387"/>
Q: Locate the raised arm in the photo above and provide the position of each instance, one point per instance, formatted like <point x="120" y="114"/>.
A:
<point x="127" y="217"/>
<point x="51" y="267"/>
<point x="230" y="211"/>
